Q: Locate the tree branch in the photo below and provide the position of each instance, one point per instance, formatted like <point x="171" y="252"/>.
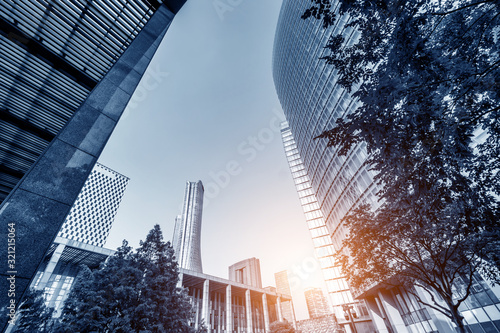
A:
<point x="464" y="7"/>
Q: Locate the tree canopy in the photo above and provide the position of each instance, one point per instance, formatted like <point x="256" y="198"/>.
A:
<point x="427" y="74"/>
<point x="133" y="291"/>
<point x="34" y="315"/>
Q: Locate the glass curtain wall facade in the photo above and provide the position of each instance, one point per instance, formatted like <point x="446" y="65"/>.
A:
<point x="338" y="289"/>
<point x="330" y="185"/>
<point x="312" y="102"/>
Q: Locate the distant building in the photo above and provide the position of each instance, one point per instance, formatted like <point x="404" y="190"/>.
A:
<point x="247" y="272"/>
<point x="94" y="210"/>
<point x="283" y="286"/>
<point x="317" y="304"/>
<point x="187" y="229"/>
<point x="235" y="305"/>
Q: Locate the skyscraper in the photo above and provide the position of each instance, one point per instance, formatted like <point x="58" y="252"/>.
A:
<point x="283" y="287"/>
<point x="317" y="305"/>
<point x="68" y="70"/>
<point x="187" y="228"/>
<point x="93" y="212"/>
<point x="329" y="185"/>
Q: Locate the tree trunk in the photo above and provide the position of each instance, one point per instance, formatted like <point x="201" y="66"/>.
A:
<point x="456" y="316"/>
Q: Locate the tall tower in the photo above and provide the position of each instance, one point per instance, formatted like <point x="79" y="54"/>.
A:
<point x="317" y="305"/>
<point x="94" y="210"/>
<point x="283" y="287"/>
<point x="329" y="185"/>
<point x="187" y="228"/>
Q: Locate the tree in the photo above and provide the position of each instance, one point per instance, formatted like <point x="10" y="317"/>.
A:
<point x="34" y="315"/>
<point x="102" y="301"/>
<point x="427" y="75"/>
<point x="281" y="327"/>
<point x="131" y="292"/>
<point x="166" y="307"/>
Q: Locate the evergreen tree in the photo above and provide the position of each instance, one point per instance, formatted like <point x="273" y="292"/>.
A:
<point x="427" y="75"/>
<point x="164" y="307"/>
<point x="131" y="292"/>
<point x="34" y="315"/>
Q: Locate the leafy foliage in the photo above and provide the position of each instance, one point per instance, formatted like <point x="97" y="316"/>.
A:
<point x="34" y="315"/>
<point x="132" y="292"/>
<point x="427" y="74"/>
<point x="281" y="327"/>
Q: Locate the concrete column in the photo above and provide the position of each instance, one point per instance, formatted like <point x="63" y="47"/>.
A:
<point x="51" y="265"/>
<point x="266" y="312"/>
<point x="392" y="312"/>
<point x="376" y="314"/>
<point x="248" y="304"/>
<point x="197" y="302"/>
<point x="229" y="310"/>
<point x="179" y="282"/>
<point x="278" y="305"/>
<point x="205" y="307"/>
<point x="219" y="313"/>
<point x="294" y="323"/>
<point x="38" y="205"/>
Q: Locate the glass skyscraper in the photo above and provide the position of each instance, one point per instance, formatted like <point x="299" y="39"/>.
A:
<point x="93" y="212"/>
<point x="187" y="229"/>
<point x="329" y="185"/>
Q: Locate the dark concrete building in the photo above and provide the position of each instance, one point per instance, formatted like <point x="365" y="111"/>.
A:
<point x="67" y="71"/>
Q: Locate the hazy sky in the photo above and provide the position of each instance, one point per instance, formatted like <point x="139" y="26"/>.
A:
<point x="207" y="110"/>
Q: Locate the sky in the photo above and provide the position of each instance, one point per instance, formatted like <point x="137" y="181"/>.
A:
<point x="207" y="110"/>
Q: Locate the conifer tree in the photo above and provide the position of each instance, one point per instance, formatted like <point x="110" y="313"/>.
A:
<point x="34" y="315"/>
<point x="133" y="291"/>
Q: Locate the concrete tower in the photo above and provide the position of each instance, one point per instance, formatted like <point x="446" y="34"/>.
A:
<point x="187" y="230"/>
<point x="93" y="212"/>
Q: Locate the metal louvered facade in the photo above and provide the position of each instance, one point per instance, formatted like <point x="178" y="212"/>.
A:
<point x="52" y="54"/>
<point x="67" y="72"/>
